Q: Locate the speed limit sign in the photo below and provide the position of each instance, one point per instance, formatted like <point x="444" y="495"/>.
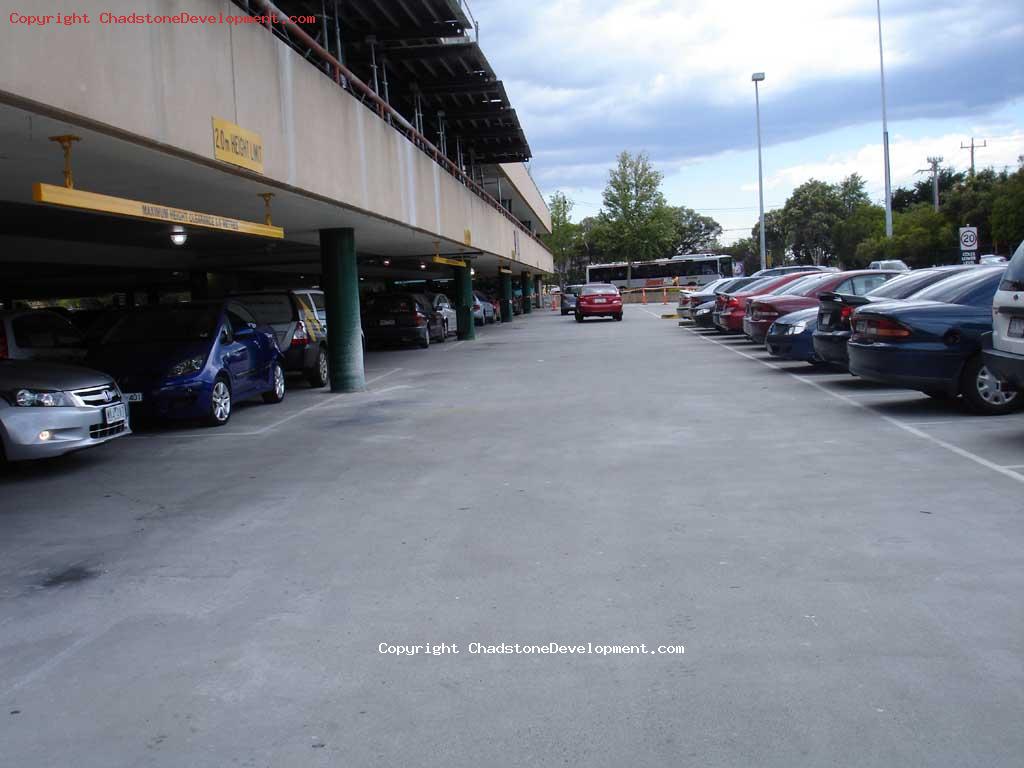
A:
<point x="968" y="238"/>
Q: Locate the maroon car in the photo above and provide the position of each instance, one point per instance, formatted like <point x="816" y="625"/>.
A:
<point x="762" y="311"/>
<point x="598" y="300"/>
<point x="731" y="307"/>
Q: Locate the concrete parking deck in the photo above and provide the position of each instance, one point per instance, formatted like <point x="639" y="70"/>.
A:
<point x="843" y="563"/>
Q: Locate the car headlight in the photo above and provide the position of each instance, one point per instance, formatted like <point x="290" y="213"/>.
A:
<point x="797" y="328"/>
<point x="28" y="398"/>
<point x="186" y="367"/>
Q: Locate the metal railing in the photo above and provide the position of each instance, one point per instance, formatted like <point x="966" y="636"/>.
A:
<point x="346" y="80"/>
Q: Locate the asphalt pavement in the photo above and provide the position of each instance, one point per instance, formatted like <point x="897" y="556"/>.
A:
<point x="842" y="562"/>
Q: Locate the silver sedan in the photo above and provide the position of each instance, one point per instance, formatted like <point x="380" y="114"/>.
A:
<point x="48" y="409"/>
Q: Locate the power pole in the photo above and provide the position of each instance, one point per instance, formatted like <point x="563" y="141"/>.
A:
<point x="934" y="163"/>
<point x="972" y="146"/>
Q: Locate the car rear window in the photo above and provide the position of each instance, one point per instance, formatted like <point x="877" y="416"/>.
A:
<point x="182" y="323"/>
<point x="905" y="285"/>
<point x="44" y="330"/>
<point x="959" y="288"/>
<point x="391" y="303"/>
<point x="598" y="290"/>
<point x="269" y="308"/>
<point x="804" y="284"/>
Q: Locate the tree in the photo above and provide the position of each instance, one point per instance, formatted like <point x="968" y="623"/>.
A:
<point x="774" y="238"/>
<point x="852" y="193"/>
<point x="809" y="218"/>
<point x="747" y="250"/>
<point x="693" y="233"/>
<point x="864" y="222"/>
<point x="564" y="234"/>
<point x="635" y="224"/>
<point x="1008" y="213"/>
<point x="921" y="237"/>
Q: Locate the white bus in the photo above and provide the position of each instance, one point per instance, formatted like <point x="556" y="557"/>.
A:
<point x="692" y="270"/>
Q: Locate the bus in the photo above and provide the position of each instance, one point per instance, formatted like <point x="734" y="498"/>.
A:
<point x="691" y="270"/>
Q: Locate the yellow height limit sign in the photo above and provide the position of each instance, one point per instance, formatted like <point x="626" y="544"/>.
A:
<point x="236" y="145"/>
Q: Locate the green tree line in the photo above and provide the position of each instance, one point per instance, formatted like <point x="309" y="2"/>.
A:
<point x="820" y="223"/>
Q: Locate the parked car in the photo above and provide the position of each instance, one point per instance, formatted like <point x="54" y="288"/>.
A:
<point x="192" y="361"/>
<point x="1004" y="353"/>
<point x="569" y="295"/>
<point x="895" y="264"/>
<point x="598" y="300"/>
<point x="835" y="309"/>
<point x="298" y="319"/>
<point x="689" y="300"/>
<point x="402" y="318"/>
<point x="49" y="409"/>
<point x="703" y="315"/>
<point x="776" y="271"/>
<point x="40" y="334"/>
<point x="730" y="307"/>
<point x="483" y="310"/>
<point x="762" y="311"/>
<point x="791" y="337"/>
<point x="443" y="306"/>
<point x="933" y="342"/>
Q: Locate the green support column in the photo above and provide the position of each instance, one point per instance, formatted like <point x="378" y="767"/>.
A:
<point x="464" y="303"/>
<point x="526" y="280"/>
<point x="341" y="295"/>
<point x="538" y="288"/>
<point x="506" y="297"/>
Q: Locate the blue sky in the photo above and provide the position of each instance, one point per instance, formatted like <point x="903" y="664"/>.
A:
<point x="672" y="77"/>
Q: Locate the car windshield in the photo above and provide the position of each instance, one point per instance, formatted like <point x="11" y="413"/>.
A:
<point x="599" y="290"/>
<point x="753" y="285"/>
<point x="954" y="289"/>
<point x="904" y="285"/>
<point x="184" y="323"/>
<point x="269" y="308"/>
<point x="803" y="284"/>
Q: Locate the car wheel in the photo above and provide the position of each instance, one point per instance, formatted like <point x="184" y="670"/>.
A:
<point x="984" y="393"/>
<point x="617" y="317"/>
<point x="444" y="332"/>
<point x="425" y="341"/>
<point x="320" y="374"/>
<point x="276" y="393"/>
<point x="220" y="403"/>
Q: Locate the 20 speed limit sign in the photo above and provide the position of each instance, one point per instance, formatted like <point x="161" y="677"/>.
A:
<point x="968" y="238"/>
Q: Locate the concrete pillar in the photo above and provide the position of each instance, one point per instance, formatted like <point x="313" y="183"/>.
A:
<point x="538" y="288"/>
<point x="526" y="280"/>
<point x="341" y="295"/>
<point x="463" y="284"/>
<point x="198" y="285"/>
<point x="506" y="297"/>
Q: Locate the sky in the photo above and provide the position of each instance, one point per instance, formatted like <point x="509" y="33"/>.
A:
<point x="672" y="78"/>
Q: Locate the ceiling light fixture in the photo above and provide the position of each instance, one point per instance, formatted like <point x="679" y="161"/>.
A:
<point x="178" y="235"/>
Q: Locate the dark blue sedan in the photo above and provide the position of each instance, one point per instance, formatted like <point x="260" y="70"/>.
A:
<point x="192" y="361"/>
<point x="791" y="337"/>
<point x="932" y="342"/>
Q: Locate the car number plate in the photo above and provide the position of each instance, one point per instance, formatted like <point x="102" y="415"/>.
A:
<point x="114" y="414"/>
<point x="824" y="320"/>
<point x="387" y="322"/>
<point x="132" y="397"/>
<point x="1016" y="327"/>
<point x="600" y="301"/>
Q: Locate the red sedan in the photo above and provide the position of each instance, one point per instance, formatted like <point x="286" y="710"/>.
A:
<point x="763" y="310"/>
<point x="731" y="307"/>
<point x="597" y="300"/>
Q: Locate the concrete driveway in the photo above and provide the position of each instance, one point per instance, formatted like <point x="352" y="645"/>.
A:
<point x="843" y="563"/>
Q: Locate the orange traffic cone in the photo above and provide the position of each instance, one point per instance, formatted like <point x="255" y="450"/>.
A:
<point x="643" y="295"/>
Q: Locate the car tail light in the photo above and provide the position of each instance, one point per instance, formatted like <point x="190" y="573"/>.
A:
<point x="301" y="337"/>
<point x="844" y="315"/>
<point x="476" y="307"/>
<point x="732" y="301"/>
<point x="420" y="319"/>
<point x="4" y="351"/>
<point x="880" y="328"/>
<point x="759" y="312"/>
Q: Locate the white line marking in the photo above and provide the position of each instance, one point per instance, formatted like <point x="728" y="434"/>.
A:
<point x="1014" y="466"/>
<point x="450" y="347"/>
<point x="652" y="314"/>
<point x="895" y="422"/>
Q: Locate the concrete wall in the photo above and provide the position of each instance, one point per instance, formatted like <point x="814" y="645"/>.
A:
<point x="164" y="83"/>
<point x="521" y="179"/>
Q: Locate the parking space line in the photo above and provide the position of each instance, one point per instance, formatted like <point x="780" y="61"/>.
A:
<point x="450" y="347"/>
<point x="1013" y="466"/>
<point x="652" y="314"/>
<point x="913" y="430"/>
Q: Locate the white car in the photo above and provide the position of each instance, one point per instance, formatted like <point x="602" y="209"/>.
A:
<point x="442" y="305"/>
<point x="49" y="409"/>
<point x="39" y="334"/>
<point x="889" y="264"/>
<point x="1004" y="349"/>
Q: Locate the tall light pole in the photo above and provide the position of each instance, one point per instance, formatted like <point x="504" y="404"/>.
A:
<point x="758" y="77"/>
<point x="885" y="129"/>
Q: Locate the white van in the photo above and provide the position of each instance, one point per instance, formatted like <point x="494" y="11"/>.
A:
<point x="1004" y="349"/>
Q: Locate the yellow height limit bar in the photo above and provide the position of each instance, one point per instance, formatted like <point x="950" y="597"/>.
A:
<point x="449" y="262"/>
<point x="120" y="206"/>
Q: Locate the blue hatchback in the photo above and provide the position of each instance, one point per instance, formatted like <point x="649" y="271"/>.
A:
<point x="192" y="361"/>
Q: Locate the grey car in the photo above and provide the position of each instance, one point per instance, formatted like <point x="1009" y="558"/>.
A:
<point x="568" y="300"/>
<point x="49" y="409"/>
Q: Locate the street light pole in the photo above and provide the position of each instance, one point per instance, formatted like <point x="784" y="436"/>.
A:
<point x="758" y="77"/>
<point x="885" y="129"/>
